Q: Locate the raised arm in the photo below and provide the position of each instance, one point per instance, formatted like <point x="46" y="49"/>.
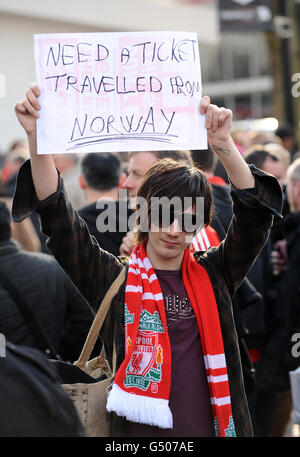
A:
<point x="218" y="124"/>
<point x="40" y="188"/>
<point x="256" y="196"/>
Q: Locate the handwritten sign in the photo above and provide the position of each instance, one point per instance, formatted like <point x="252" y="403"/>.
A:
<point x="119" y="92"/>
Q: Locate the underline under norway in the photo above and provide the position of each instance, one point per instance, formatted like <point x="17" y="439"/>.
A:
<point x="86" y="141"/>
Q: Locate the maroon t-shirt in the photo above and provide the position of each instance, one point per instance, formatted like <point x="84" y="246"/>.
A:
<point x="189" y="397"/>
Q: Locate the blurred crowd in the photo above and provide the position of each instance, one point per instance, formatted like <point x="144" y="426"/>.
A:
<point x="266" y="309"/>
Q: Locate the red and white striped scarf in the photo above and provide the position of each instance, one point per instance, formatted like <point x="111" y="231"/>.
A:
<point x="204" y="239"/>
<point x="141" y="388"/>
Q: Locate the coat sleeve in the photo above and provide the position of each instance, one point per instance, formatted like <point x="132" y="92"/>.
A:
<point x="253" y="213"/>
<point x="91" y="269"/>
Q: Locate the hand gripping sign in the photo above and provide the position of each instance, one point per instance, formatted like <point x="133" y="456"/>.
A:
<point x="119" y="92"/>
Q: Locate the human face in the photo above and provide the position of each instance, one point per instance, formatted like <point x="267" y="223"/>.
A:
<point x="275" y="168"/>
<point x="139" y="163"/>
<point x="165" y="247"/>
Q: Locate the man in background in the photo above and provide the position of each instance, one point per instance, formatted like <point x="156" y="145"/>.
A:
<point x="278" y="357"/>
<point x="59" y="308"/>
<point x="141" y="161"/>
<point x="106" y="217"/>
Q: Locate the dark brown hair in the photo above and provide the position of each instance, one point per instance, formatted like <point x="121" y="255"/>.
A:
<point x="169" y="178"/>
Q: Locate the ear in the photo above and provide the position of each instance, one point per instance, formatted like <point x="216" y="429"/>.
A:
<point x="82" y="182"/>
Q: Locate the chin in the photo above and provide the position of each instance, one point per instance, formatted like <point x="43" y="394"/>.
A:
<point x="171" y="250"/>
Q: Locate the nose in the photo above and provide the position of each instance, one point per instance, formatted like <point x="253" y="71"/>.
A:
<point x="128" y="183"/>
<point x="174" y="228"/>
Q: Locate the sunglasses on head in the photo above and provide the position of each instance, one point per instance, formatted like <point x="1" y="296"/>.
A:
<point x="187" y="222"/>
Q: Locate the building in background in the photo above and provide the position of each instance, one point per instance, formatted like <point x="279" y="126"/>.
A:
<point x="19" y="20"/>
<point x="243" y="59"/>
<point x="240" y="74"/>
<point x="244" y="78"/>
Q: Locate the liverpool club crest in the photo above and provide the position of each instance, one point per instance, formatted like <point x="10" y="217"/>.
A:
<point x="147" y="357"/>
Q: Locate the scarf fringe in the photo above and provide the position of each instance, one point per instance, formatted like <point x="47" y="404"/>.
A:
<point x="136" y="408"/>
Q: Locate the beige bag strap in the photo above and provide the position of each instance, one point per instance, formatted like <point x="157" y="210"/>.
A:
<point x="114" y="358"/>
<point x="98" y="321"/>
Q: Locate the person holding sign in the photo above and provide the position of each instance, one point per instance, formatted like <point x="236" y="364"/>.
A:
<point x="179" y="369"/>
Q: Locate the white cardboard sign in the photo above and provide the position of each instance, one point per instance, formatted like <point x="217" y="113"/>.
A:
<point x="111" y="92"/>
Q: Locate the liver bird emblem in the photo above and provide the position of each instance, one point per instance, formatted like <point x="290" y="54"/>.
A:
<point x="136" y="363"/>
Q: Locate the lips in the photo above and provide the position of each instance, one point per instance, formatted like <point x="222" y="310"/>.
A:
<point x="170" y="243"/>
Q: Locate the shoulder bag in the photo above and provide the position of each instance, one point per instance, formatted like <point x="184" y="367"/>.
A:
<point x="90" y="397"/>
